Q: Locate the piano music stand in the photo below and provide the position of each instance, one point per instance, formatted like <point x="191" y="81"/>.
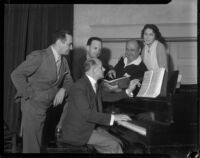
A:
<point x="161" y="106"/>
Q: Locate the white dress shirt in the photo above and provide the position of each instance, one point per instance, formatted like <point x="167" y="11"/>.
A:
<point x="55" y="53"/>
<point x="93" y="82"/>
<point x="135" y="62"/>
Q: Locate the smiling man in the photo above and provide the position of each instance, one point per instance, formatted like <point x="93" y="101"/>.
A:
<point x="130" y="64"/>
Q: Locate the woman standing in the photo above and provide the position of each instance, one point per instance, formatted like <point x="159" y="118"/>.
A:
<point x="154" y="53"/>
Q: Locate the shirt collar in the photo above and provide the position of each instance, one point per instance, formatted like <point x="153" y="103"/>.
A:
<point x="135" y="62"/>
<point x="92" y="81"/>
<point x="152" y="47"/>
<point x="55" y="53"/>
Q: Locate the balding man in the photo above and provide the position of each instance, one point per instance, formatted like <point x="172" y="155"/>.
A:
<point x="130" y="64"/>
<point x="84" y="112"/>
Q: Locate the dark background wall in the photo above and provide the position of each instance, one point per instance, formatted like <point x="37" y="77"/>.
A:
<point x="28" y="27"/>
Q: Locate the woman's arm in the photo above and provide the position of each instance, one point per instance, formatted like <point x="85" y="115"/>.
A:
<point x="162" y="56"/>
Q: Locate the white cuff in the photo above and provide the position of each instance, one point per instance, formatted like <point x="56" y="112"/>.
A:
<point x="130" y="94"/>
<point x="112" y="120"/>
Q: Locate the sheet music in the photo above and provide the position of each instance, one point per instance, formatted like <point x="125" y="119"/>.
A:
<point x="145" y="84"/>
<point x="152" y="83"/>
<point x="156" y="84"/>
<point x="133" y="127"/>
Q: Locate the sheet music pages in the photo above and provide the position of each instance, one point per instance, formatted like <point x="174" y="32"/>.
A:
<point x="152" y="83"/>
<point x="133" y="127"/>
<point x="145" y="84"/>
<point x="156" y="83"/>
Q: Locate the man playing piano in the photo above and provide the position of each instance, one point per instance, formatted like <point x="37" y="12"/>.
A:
<point x="84" y="118"/>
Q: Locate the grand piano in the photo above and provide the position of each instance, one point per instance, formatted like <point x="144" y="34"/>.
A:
<point x="168" y="128"/>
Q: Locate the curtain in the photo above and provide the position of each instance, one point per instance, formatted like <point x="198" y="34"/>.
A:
<point x="28" y="27"/>
<point x="15" y="33"/>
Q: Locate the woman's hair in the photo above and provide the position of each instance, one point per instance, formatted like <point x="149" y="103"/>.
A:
<point x="158" y="35"/>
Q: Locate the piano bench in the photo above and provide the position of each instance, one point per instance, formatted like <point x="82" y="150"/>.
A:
<point x="55" y="147"/>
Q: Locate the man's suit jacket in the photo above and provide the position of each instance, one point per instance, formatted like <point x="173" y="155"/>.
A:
<point x="77" y="69"/>
<point x="36" y="78"/>
<point x="85" y="111"/>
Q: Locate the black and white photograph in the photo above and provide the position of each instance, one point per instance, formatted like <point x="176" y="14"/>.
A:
<point x="101" y="79"/>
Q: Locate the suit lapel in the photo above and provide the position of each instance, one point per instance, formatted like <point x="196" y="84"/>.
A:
<point x="95" y="97"/>
<point x="98" y="98"/>
<point x="89" y="85"/>
<point x="92" y="94"/>
<point x="52" y="64"/>
<point x="52" y="60"/>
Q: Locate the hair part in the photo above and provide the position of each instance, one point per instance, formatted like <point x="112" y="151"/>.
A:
<point x="157" y="33"/>
<point x="60" y="34"/>
<point x="89" y="42"/>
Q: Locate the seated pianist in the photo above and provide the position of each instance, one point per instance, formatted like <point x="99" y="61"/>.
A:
<point x="84" y="119"/>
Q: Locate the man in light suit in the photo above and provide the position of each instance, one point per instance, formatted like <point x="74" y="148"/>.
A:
<point x="81" y="124"/>
<point x="41" y="80"/>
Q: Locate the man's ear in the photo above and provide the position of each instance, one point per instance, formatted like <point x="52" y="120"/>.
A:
<point x="94" y="69"/>
<point x="59" y="42"/>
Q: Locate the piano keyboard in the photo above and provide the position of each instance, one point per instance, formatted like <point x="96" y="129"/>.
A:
<point x="133" y="127"/>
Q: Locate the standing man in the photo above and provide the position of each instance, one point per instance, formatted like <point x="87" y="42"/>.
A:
<point x="84" y="113"/>
<point x="41" y="80"/>
<point x="93" y="50"/>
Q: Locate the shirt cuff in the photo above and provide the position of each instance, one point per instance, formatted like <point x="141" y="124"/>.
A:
<point x="130" y="94"/>
<point x="112" y="120"/>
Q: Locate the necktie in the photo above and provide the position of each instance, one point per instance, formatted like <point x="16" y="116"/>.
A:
<point x="58" y="63"/>
<point x="96" y="87"/>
